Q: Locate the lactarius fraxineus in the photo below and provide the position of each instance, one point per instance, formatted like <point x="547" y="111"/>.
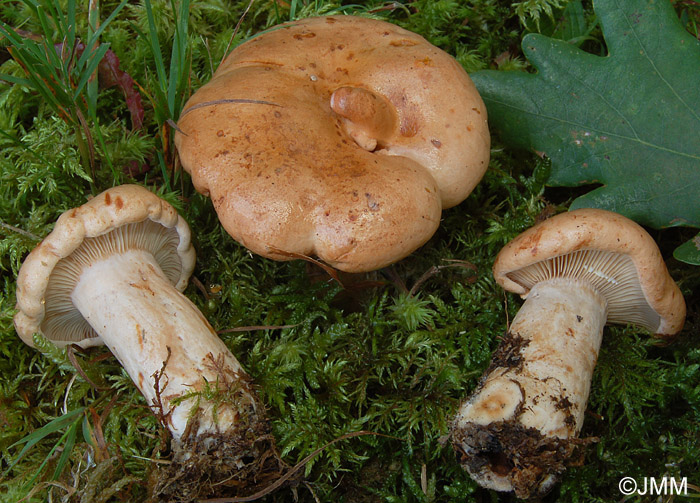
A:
<point x="341" y="137"/>
<point x="111" y="272"/>
<point x="577" y="271"/>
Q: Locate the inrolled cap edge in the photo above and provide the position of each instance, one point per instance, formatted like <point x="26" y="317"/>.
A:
<point x="595" y="229"/>
<point x="105" y="212"/>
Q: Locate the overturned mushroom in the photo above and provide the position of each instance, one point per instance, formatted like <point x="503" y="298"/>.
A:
<point x="577" y="271"/>
<point x="341" y="137"/>
<point x="111" y="273"/>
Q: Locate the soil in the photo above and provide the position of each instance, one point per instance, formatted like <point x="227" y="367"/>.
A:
<point x="238" y="463"/>
<point x="531" y="461"/>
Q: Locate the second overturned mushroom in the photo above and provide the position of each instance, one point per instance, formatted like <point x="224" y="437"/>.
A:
<point x="111" y="272"/>
<point x="577" y="271"/>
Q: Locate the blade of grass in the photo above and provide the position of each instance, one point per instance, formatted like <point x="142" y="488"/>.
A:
<point x="48" y="457"/>
<point x="155" y="47"/>
<point x="91" y="67"/>
<point x="164" y="170"/>
<point x="93" y="24"/>
<point x="34" y="55"/>
<point x="69" y="24"/>
<point x="69" y="436"/>
<point x="92" y="39"/>
<point x="36" y="436"/>
<point x="178" y="59"/>
<point x="34" y="79"/>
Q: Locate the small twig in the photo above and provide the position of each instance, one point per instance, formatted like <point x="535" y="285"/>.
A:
<point x="205" y="42"/>
<point x="70" y="353"/>
<point x="284" y="478"/>
<point x="390" y="6"/>
<point x="694" y="487"/>
<point x="65" y="396"/>
<point x="330" y="270"/>
<point x="173" y="125"/>
<point x="157" y="402"/>
<point x="230" y="100"/>
<point x="43" y="485"/>
<point x="200" y="286"/>
<point x="255" y="327"/>
<point x="311" y="490"/>
<point x="153" y="460"/>
<point x="19" y="231"/>
<point x="437" y="268"/>
<point x="398" y="282"/>
<point x="235" y="31"/>
<point x="98" y="433"/>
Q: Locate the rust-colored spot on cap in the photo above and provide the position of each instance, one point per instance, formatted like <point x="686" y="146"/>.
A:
<point x="301" y="36"/>
<point x="403" y="43"/>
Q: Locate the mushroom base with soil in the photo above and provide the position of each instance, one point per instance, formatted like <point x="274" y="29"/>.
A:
<point x="221" y="441"/>
<point x="518" y="431"/>
<point x="239" y="461"/>
<point x="577" y="271"/>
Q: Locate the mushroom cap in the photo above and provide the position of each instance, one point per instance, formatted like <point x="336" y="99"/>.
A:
<point x="113" y="209"/>
<point x="609" y="250"/>
<point x="341" y="137"/>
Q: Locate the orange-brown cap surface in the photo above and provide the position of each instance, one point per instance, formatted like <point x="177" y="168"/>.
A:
<point x="341" y="137"/>
<point x="111" y="210"/>
<point x="606" y="248"/>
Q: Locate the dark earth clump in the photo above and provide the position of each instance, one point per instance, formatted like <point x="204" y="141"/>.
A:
<point x="239" y="462"/>
<point x="531" y="462"/>
<point x="509" y="353"/>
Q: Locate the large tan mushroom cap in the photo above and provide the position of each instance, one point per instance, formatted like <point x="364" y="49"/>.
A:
<point x="109" y="211"/>
<point x="584" y="232"/>
<point x="341" y="137"/>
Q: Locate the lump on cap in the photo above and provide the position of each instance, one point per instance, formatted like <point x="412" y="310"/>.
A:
<point x="340" y="137"/>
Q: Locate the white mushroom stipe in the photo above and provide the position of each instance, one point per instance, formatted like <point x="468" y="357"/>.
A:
<point x="577" y="271"/>
<point x="111" y="272"/>
<point x="537" y="386"/>
<point x="154" y="330"/>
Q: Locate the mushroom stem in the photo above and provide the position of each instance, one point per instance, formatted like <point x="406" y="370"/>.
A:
<point x="163" y="342"/>
<point x="518" y="429"/>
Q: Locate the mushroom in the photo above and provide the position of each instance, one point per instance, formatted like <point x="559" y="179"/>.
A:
<point x="577" y="271"/>
<point x="111" y="272"/>
<point x="341" y="137"/>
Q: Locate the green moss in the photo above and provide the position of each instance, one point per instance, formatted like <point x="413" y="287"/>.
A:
<point x="392" y="352"/>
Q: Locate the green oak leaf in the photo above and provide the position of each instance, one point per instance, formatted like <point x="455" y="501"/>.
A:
<point x="629" y="121"/>
<point x="689" y="252"/>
